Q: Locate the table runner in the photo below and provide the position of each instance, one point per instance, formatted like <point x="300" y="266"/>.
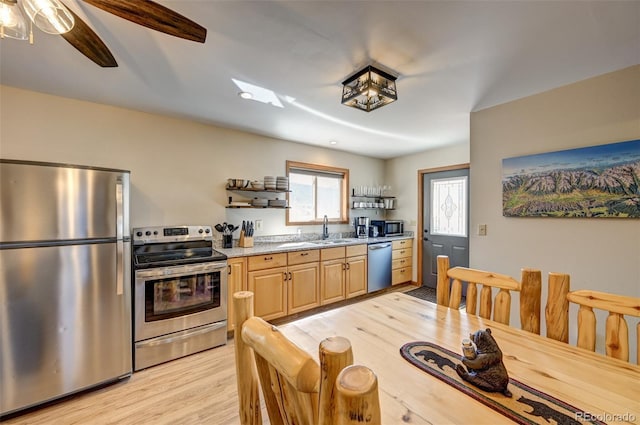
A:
<point x="526" y="406"/>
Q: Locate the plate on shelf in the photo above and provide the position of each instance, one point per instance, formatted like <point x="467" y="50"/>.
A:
<point x="239" y="204"/>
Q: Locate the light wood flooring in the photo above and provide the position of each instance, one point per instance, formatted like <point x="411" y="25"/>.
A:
<point x="197" y="389"/>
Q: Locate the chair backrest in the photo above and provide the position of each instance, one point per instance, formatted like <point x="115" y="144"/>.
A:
<point x="295" y="388"/>
<point x="449" y="293"/>
<point x="616" y="328"/>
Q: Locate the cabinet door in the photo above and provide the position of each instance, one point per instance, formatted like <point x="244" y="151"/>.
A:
<point x="236" y="281"/>
<point x="401" y="275"/>
<point x="356" y="276"/>
<point x="332" y="275"/>
<point x="303" y="287"/>
<point x="270" y="292"/>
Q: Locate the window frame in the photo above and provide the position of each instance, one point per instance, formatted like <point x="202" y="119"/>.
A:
<point x="319" y="170"/>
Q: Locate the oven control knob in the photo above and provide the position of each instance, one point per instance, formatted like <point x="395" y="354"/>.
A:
<point x="207" y="230"/>
<point x="200" y="230"/>
<point x="148" y="233"/>
<point x="155" y="232"/>
<point x="138" y="234"/>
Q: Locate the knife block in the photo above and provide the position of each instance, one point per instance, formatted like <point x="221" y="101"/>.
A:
<point x="245" y="241"/>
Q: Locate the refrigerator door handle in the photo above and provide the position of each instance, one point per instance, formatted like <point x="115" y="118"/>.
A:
<point x="119" y="267"/>
<point x="119" y="210"/>
<point x="119" y="236"/>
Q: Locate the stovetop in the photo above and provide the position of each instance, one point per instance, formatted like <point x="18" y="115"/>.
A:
<point x="169" y="246"/>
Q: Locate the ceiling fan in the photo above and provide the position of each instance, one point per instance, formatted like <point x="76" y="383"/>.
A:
<point x="143" y="12"/>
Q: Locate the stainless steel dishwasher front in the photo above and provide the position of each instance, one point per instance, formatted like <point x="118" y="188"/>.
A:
<point x="379" y="266"/>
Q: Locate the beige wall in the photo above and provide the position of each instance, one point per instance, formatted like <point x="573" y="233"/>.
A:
<point x="178" y="168"/>
<point x="601" y="254"/>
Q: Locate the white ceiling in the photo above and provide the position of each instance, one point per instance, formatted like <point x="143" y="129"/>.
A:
<point x="452" y="57"/>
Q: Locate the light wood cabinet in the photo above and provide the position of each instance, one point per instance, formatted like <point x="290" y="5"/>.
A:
<point x="236" y="281"/>
<point x="343" y="273"/>
<point x="270" y="291"/>
<point x="332" y="277"/>
<point x="291" y="282"/>
<point x="401" y="261"/>
<point x="356" y="276"/>
<point x="303" y="280"/>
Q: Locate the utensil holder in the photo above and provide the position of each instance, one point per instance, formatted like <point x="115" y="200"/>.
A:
<point x="227" y="241"/>
<point x="245" y="241"/>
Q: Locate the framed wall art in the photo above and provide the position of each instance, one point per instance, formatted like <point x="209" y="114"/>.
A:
<point x="595" y="181"/>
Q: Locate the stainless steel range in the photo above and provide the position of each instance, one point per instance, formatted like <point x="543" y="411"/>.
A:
<point x="180" y="293"/>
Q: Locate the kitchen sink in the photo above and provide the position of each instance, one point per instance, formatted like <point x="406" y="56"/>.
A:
<point x="296" y="244"/>
<point x="330" y="241"/>
<point x="318" y="242"/>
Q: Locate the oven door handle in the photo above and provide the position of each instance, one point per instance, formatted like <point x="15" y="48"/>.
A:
<point x="179" y="336"/>
<point x="182" y="270"/>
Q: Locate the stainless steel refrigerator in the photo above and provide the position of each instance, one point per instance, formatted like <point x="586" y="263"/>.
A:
<point x="65" y="292"/>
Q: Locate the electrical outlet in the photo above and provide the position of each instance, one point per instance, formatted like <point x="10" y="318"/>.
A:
<point x="258" y="224"/>
<point x="482" y="230"/>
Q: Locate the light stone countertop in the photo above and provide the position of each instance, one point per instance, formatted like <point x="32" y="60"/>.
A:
<point x="293" y="245"/>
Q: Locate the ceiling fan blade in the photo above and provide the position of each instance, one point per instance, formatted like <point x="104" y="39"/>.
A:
<point x="88" y="43"/>
<point x="155" y="16"/>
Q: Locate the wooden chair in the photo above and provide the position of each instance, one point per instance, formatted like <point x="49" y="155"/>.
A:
<point x="616" y="329"/>
<point x="449" y="293"/>
<point x="295" y="388"/>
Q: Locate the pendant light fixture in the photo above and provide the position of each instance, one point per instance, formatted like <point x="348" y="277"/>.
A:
<point x="51" y="16"/>
<point x="12" y="22"/>
<point x="369" y="89"/>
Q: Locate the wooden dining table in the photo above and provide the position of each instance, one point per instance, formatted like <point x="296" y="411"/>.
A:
<point x="378" y="327"/>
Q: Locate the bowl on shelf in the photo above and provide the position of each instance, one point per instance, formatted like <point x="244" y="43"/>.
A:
<point x="257" y="202"/>
<point x="257" y="184"/>
<point x="269" y="182"/>
<point x="277" y="202"/>
<point x="242" y="183"/>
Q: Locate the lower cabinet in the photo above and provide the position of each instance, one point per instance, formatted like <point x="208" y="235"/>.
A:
<point x="270" y="292"/>
<point x="288" y="283"/>
<point x="356" y="276"/>
<point x="236" y="281"/>
<point x="401" y="261"/>
<point x="332" y="281"/>
<point x="356" y="270"/>
<point x="303" y="281"/>
<point x="267" y="279"/>
<point x="343" y="273"/>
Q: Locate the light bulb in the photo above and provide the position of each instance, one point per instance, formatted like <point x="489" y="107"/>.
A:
<point x="51" y="16"/>
<point x="12" y="23"/>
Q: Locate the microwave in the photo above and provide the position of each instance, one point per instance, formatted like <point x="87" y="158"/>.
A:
<point x="388" y="227"/>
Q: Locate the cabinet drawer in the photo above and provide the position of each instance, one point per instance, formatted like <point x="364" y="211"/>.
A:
<point x="401" y="262"/>
<point x="353" y="250"/>
<point x="301" y="257"/>
<point x="401" y="275"/>
<point x="332" y="253"/>
<point x="266" y="261"/>
<point x="402" y="243"/>
<point x="401" y="253"/>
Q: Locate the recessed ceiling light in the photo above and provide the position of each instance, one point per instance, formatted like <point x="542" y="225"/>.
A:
<point x="245" y="95"/>
<point x="333" y="142"/>
<point x="259" y="94"/>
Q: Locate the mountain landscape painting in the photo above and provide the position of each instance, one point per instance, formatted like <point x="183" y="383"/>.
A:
<point x="595" y="181"/>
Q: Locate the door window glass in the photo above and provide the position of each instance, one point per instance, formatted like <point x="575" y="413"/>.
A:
<point x="448" y="206"/>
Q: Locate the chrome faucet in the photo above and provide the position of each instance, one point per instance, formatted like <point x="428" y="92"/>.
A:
<point x="325" y="228"/>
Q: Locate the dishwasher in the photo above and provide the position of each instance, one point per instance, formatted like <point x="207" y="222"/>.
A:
<point x="378" y="266"/>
